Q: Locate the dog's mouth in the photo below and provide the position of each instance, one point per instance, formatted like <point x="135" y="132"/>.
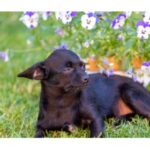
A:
<point x="74" y="87"/>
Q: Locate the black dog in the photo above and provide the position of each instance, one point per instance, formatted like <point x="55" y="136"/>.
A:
<point x="71" y="97"/>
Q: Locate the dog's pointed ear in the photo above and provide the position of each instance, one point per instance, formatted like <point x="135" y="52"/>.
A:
<point x="37" y="71"/>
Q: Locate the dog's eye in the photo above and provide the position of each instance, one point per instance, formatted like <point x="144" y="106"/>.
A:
<point x="69" y="64"/>
<point x="68" y="68"/>
<point x="82" y="65"/>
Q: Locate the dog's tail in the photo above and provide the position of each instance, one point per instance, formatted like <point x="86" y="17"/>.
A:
<point x="136" y="97"/>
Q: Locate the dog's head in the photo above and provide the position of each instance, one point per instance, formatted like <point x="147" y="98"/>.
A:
<point x="62" y="69"/>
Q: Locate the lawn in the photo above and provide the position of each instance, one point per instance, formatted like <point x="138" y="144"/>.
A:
<point x="19" y="98"/>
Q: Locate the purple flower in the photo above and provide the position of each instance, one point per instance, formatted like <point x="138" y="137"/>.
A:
<point x="105" y="61"/>
<point x="59" y="31"/>
<point x="130" y="71"/>
<point x="146" y="64"/>
<point x="48" y="12"/>
<point x="91" y="14"/>
<point x="119" y="21"/>
<point x="4" y="56"/>
<point x="100" y="13"/>
<point x="142" y="23"/>
<point x="120" y="37"/>
<point x="73" y="13"/>
<point x="135" y="79"/>
<point x="63" y="46"/>
<point x="29" y="13"/>
<point x="109" y="73"/>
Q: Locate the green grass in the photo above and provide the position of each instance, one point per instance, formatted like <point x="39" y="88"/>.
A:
<point x="19" y="98"/>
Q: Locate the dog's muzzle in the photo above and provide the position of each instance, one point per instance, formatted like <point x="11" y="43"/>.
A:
<point x="85" y="79"/>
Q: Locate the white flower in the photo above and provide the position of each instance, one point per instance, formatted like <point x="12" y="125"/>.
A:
<point x="143" y="30"/>
<point x="88" y="22"/>
<point x="146" y="80"/>
<point x="45" y="15"/>
<point x="142" y="33"/>
<point x="88" y="12"/>
<point x="30" y="19"/>
<point x="147" y="17"/>
<point x="128" y="13"/>
<point x="65" y="17"/>
<point x="86" y="44"/>
<point x="143" y="74"/>
<point x="146" y="67"/>
<point x="58" y="15"/>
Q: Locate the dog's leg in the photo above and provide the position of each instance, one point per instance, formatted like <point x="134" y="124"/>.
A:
<point x="41" y="128"/>
<point x="97" y="127"/>
<point x="39" y="133"/>
<point x="137" y="98"/>
<point x="86" y="112"/>
<point x="42" y="124"/>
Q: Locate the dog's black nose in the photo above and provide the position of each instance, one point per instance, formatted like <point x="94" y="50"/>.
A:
<point x="85" y="79"/>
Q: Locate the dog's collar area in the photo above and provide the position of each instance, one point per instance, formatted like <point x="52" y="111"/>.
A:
<point x="68" y="88"/>
<point x="53" y="89"/>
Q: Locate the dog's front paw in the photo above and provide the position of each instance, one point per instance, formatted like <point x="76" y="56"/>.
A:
<point x="97" y="135"/>
<point x="69" y="128"/>
<point x="39" y="134"/>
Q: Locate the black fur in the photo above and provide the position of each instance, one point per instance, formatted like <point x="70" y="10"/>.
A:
<point x="70" y="97"/>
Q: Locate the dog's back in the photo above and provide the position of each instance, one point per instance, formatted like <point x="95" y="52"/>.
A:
<point x="117" y="95"/>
